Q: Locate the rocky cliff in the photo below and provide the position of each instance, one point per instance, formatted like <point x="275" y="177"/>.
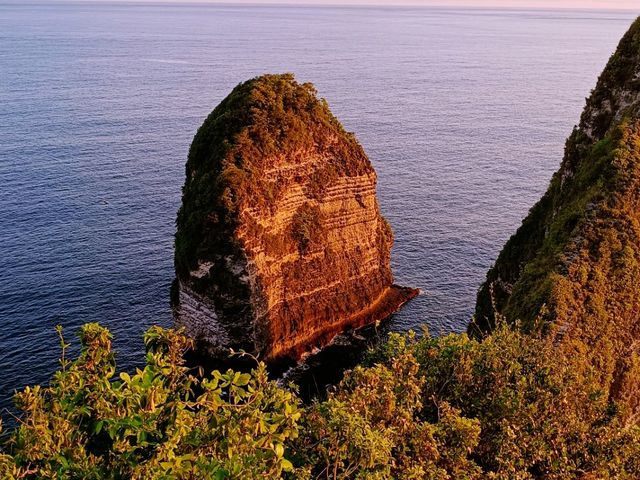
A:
<point x="573" y="268"/>
<point x="280" y="243"/>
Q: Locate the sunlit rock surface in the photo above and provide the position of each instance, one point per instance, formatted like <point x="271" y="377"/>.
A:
<point x="280" y="242"/>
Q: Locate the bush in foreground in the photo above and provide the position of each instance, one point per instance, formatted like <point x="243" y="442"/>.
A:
<point x="453" y="407"/>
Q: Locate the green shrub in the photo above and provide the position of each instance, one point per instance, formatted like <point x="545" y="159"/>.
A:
<point x="505" y="407"/>
<point x="541" y="415"/>
<point x="160" y="423"/>
<point x="370" y="427"/>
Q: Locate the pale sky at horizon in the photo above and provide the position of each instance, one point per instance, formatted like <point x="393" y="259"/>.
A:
<point x="597" y="4"/>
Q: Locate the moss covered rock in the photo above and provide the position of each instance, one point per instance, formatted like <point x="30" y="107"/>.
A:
<point x="572" y="268"/>
<point x="280" y="242"/>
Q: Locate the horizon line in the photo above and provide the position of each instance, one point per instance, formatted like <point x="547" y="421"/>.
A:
<point x="467" y="4"/>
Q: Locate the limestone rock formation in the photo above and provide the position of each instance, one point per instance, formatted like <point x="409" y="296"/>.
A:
<point x="573" y="268"/>
<point x="280" y="243"/>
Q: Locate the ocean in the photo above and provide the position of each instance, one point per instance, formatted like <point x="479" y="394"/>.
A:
<point x="463" y="112"/>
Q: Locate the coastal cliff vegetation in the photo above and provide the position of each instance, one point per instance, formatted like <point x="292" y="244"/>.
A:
<point x="571" y="270"/>
<point x="504" y="407"/>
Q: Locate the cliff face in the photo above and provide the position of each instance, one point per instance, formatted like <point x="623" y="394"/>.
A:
<point x="280" y="242"/>
<point x="572" y="268"/>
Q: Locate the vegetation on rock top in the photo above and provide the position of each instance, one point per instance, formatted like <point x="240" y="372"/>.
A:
<point x="260" y="122"/>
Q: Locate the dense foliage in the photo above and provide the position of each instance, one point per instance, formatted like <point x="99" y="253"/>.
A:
<point x="161" y="422"/>
<point x="571" y="269"/>
<point x="435" y="408"/>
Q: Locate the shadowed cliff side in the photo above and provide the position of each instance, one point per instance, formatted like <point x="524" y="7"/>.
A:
<point x="572" y="268"/>
<point x="280" y="242"/>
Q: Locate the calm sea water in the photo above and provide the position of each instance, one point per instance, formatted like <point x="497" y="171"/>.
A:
<point x="463" y="113"/>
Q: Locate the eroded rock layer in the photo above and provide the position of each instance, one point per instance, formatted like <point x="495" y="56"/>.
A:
<point x="573" y="268"/>
<point x="280" y="242"/>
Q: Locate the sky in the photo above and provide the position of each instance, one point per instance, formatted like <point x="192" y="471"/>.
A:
<point x="599" y="4"/>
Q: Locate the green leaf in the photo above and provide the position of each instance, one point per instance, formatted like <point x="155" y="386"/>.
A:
<point x="243" y="380"/>
<point x="287" y="466"/>
<point x="98" y="426"/>
<point x="279" y="449"/>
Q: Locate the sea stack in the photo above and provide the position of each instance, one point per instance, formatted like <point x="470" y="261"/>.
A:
<point x="573" y="268"/>
<point x="280" y="243"/>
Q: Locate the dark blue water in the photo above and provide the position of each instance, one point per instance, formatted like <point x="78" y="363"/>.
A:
<point x="463" y="113"/>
